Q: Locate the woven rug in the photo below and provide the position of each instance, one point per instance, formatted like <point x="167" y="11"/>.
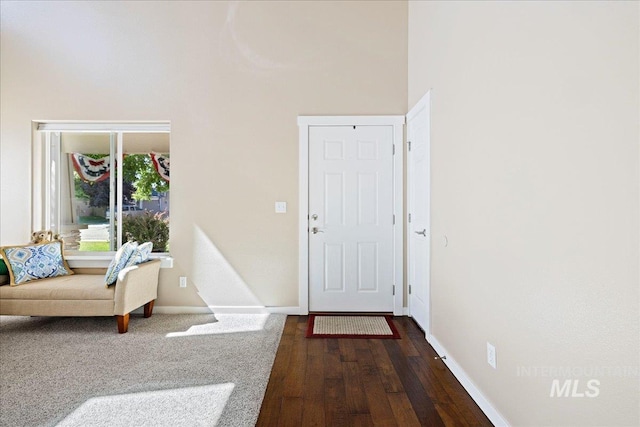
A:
<point x="332" y="326"/>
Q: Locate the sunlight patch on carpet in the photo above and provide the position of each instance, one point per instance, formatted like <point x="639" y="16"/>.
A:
<point x="226" y="324"/>
<point x="193" y="406"/>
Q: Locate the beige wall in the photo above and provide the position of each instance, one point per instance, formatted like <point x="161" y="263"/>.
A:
<point x="231" y="77"/>
<point x="535" y="115"/>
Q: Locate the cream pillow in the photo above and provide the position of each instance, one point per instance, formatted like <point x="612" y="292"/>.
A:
<point x="119" y="262"/>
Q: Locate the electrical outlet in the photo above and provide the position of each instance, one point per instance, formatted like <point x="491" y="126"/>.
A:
<point x="281" y="207"/>
<point x="183" y="282"/>
<point x="491" y="355"/>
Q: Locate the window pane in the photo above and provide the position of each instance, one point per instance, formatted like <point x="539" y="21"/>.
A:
<point x="146" y="168"/>
<point x="86" y="192"/>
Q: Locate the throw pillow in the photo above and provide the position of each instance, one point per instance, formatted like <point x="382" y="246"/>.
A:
<point x="141" y="254"/>
<point x="119" y="262"/>
<point x="4" y="273"/>
<point x="35" y="261"/>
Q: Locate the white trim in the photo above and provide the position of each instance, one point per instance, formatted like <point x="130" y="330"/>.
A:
<point x="350" y="120"/>
<point x="303" y="218"/>
<point x="398" y="212"/>
<point x="485" y="405"/>
<point x="104" y="126"/>
<point x="37" y="180"/>
<point x="119" y="184"/>
<point x="46" y="185"/>
<point x="103" y="260"/>
<point x="304" y="122"/>
<point x="172" y="309"/>
<point x="55" y="222"/>
<point x="177" y="309"/>
<point x="293" y="311"/>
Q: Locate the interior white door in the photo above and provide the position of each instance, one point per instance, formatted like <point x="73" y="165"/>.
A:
<point x="418" y="192"/>
<point x="351" y="218"/>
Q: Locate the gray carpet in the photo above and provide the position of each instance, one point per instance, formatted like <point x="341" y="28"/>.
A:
<point x="168" y="370"/>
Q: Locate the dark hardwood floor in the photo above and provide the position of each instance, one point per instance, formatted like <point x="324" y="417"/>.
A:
<point x="363" y="382"/>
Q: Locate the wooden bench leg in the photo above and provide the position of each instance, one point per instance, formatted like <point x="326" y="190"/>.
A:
<point x="148" y="308"/>
<point x="123" y="323"/>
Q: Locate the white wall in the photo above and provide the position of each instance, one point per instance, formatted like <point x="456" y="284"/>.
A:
<point x="535" y="156"/>
<point x="232" y="77"/>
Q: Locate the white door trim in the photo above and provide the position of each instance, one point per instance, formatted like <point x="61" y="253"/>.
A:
<point x="304" y="122"/>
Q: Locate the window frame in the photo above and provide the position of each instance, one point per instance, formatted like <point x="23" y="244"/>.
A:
<point x="43" y="186"/>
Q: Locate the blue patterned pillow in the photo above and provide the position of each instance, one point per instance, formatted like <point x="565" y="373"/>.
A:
<point x="35" y="261"/>
<point x="119" y="262"/>
<point x="141" y="254"/>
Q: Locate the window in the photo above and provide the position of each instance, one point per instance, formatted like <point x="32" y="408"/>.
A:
<point x="100" y="184"/>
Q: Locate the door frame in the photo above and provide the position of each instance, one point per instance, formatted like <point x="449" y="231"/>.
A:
<point x="304" y="123"/>
<point x="423" y="104"/>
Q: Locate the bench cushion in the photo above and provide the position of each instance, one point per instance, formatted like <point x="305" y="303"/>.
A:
<point x="76" y="287"/>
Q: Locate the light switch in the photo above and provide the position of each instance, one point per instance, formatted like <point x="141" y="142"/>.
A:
<point x="281" y="207"/>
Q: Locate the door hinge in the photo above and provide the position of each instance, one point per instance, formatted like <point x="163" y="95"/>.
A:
<point x="394" y="220"/>
<point x="409" y="217"/>
<point x="409" y="289"/>
<point x="393" y="151"/>
<point x="394" y="290"/>
<point x="409" y="144"/>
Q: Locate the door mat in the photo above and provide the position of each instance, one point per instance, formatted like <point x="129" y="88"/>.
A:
<point x="330" y="326"/>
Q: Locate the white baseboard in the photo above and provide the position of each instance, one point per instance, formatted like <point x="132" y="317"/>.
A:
<point x="492" y="413"/>
<point x="175" y="309"/>
<point x="168" y="309"/>
<point x="284" y="310"/>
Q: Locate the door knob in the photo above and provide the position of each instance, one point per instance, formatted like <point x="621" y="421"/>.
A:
<point x="315" y="230"/>
<point x="423" y="232"/>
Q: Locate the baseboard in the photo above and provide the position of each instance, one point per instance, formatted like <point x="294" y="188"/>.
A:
<point x="168" y="309"/>
<point x="492" y="413"/>
<point x="175" y="309"/>
<point x="284" y="310"/>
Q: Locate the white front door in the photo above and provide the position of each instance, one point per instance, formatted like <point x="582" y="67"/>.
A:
<point x="418" y="173"/>
<point x="351" y="227"/>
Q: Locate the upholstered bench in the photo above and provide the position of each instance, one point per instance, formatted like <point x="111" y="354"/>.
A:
<point x="83" y="294"/>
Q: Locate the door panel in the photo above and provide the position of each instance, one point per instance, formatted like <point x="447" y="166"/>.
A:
<point x="418" y="203"/>
<point x="351" y="209"/>
<point x="334" y="199"/>
<point x="368" y="266"/>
